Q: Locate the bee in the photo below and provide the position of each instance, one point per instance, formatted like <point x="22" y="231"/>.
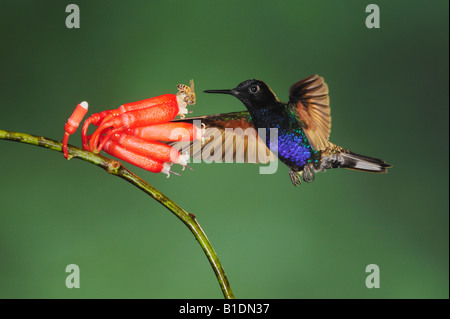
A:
<point x="188" y="91"/>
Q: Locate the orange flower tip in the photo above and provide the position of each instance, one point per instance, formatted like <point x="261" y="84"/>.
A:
<point x="84" y="105"/>
<point x="166" y="169"/>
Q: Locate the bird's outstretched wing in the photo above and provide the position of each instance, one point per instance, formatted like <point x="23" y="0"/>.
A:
<point x="310" y="103"/>
<point x="228" y="138"/>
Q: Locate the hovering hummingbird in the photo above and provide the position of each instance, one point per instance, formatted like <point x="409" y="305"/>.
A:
<point x="303" y="125"/>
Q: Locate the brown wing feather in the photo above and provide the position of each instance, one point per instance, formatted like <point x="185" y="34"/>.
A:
<point x="309" y="101"/>
<point x="229" y="137"/>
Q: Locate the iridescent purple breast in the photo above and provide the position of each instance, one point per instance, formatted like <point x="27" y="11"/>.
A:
<point x="293" y="147"/>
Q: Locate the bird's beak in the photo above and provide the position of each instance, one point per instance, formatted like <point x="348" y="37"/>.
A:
<point x="230" y="92"/>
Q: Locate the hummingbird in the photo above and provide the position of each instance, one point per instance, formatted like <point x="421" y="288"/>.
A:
<point x="303" y="127"/>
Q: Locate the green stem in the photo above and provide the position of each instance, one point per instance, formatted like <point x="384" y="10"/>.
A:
<point x="115" y="168"/>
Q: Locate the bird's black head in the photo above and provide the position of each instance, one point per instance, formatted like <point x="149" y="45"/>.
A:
<point x="254" y="94"/>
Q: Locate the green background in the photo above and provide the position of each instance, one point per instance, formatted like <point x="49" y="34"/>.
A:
<point x="389" y="98"/>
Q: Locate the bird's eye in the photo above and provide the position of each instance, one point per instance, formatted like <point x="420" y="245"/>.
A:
<point x="254" y="88"/>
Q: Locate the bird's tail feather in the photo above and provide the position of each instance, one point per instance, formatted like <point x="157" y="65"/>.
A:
<point x="354" y="161"/>
<point x="365" y="163"/>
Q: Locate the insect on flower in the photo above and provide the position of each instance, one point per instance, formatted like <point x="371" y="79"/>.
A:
<point x="137" y="132"/>
<point x="188" y="91"/>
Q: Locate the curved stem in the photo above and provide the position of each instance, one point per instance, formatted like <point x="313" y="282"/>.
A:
<point x="115" y="168"/>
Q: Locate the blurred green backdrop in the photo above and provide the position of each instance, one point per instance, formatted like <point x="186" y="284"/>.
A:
<point x="389" y="95"/>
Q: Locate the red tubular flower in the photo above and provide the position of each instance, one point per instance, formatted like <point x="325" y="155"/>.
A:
<point x="155" y="114"/>
<point x="156" y="150"/>
<point x="173" y="131"/>
<point x="134" y="131"/>
<point x="147" y="163"/>
<point x="139" y="105"/>
<point x="98" y="118"/>
<point x="72" y="124"/>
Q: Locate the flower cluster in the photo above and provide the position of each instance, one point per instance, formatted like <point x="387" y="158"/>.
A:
<point x="138" y="132"/>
